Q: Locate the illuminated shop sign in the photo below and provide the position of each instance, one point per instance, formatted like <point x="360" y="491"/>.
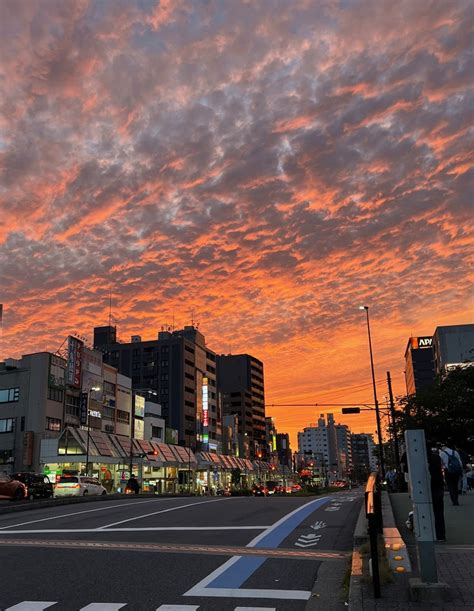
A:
<point x="421" y="342"/>
<point x="95" y="413"/>
<point x="139" y="406"/>
<point x="205" y="402"/>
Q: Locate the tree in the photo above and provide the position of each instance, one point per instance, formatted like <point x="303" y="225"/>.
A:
<point x="445" y="411"/>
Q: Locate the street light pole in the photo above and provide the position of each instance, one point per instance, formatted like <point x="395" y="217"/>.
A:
<point x="377" y="411"/>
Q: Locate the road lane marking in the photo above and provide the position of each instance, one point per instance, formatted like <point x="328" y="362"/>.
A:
<point x="255" y="609"/>
<point x="243" y="593"/>
<point x="178" y="608"/>
<point x="103" y="607"/>
<point x="227" y="579"/>
<point x="126" y="530"/>
<point x="154" y="513"/>
<point x="76" y="513"/>
<point x="31" y="605"/>
<point x="178" y="548"/>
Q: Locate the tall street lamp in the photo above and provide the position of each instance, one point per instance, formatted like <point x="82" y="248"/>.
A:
<point x="92" y="389"/>
<point x="377" y="411"/>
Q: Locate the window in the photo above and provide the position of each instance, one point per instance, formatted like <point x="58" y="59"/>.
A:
<point x="109" y="388"/>
<point x="164" y="363"/>
<point x="164" y="391"/>
<point x="164" y="349"/>
<point x="7" y="425"/>
<point x="164" y="376"/>
<point x="157" y="431"/>
<point x="53" y="424"/>
<point x="123" y="416"/>
<point x="189" y="376"/>
<point x="108" y="413"/>
<point x="9" y="395"/>
<point x="56" y="394"/>
<point x="72" y="405"/>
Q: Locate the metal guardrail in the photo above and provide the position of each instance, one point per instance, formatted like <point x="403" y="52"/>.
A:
<point x="373" y="511"/>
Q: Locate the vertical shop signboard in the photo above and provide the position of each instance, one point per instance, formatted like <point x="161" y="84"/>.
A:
<point x="74" y="361"/>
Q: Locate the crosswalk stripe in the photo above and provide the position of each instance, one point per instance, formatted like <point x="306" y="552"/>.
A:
<point x="178" y="608"/>
<point x="31" y="605"/>
<point x="103" y="607"/>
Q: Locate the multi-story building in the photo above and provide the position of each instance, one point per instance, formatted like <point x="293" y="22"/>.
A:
<point x="45" y="393"/>
<point x="230" y="435"/>
<point x="239" y="403"/>
<point x="154" y="424"/>
<point x="327" y="445"/>
<point x="364" y="460"/>
<point x="270" y="451"/>
<point x="284" y="450"/>
<point x="344" y="449"/>
<point x="181" y="370"/>
<point x="419" y="364"/>
<point x="453" y="346"/>
<point x="241" y="382"/>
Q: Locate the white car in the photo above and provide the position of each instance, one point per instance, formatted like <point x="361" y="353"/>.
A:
<point x="78" y="485"/>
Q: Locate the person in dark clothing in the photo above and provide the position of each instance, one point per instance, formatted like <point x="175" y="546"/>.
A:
<point x="133" y="484"/>
<point x="435" y="465"/>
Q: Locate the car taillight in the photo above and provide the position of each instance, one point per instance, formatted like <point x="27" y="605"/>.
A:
<point x="76" y="486"/>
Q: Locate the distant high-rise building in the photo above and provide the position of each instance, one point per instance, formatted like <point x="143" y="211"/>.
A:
<point x="344" y="448"/>
<point x="320" y="442"/>
<point x="453" y="347"/>
<point x="419" y="364"/>
<point x="283" y="449"/>
<point x="180" y="370"/>
<point x="363" y="458"/>
<point x="270" y="438"/>
<point x="241" y="382"/>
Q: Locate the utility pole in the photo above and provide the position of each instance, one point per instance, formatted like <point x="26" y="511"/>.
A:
<point x="392" y="413"/>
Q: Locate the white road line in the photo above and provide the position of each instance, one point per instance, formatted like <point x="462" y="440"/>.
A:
<point x="241" y="593"/>
<point x="31" y="605"/>
<point x="126" y="530"/>
<point x="255" y="609"/>
<point x="76" y="513"/>
<point x="154" y="513"/>
<point x="103" y="607"/>
<point x="178" y="608"/>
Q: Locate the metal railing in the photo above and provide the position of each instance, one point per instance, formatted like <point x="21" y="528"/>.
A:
<point x="373" y="512"/>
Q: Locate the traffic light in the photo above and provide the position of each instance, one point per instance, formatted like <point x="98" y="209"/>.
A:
<point x="351" y="410"/>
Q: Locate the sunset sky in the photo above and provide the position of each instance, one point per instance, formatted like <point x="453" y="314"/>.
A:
<point x="263" y="167"/>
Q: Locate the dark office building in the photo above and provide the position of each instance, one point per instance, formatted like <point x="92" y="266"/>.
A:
<point x="181" y="370"/>
<point x="240" y="380"/>
<point x="419" y="364"/>
<point x="283" y="449"/>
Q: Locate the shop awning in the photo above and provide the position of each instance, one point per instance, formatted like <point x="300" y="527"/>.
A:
<point x="184" y="455"/>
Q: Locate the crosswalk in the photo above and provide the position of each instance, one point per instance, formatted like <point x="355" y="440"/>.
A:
<point x="40" y="605"/>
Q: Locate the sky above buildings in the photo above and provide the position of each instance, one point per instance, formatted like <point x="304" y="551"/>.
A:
<point x="262" y="168"/>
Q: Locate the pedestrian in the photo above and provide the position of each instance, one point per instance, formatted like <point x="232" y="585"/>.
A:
<point x="435" y="465"/>
<point x="470" y="477"/>
<point x="464" y="456"/>
<point x="452" y="467"/>
<point x="133" y="484"/>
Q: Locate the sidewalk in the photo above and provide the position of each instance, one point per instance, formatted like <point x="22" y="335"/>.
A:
<point x="455" y="559"/>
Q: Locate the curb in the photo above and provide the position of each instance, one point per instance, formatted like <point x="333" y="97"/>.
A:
<point x="395" y="546"/>
<point x="355" y="583"/>
<point x="28" y="505"/>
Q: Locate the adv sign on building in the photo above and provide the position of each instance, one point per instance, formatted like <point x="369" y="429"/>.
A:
<point x="74" y="361"/>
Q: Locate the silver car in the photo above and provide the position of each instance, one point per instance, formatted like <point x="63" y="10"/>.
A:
<point x="78" y="485"/>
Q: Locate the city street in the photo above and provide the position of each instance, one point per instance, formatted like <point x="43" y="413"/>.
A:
<point x="201" y="553"/>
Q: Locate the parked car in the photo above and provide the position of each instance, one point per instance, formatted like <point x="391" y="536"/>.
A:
<point x="78" y="485"/>
<point x="12" y="489"/>
<point x="258" y="490"/>
<point x="39" y="486"/>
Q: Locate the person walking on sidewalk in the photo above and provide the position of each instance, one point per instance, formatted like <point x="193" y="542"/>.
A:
<point x="452" y="466"/>
<point x="435" y="465"/>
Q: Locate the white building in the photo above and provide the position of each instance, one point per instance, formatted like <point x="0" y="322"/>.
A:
<point x="154" y="423"/>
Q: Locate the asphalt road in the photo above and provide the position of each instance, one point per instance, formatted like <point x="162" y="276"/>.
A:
<point x="195" y="553"/>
